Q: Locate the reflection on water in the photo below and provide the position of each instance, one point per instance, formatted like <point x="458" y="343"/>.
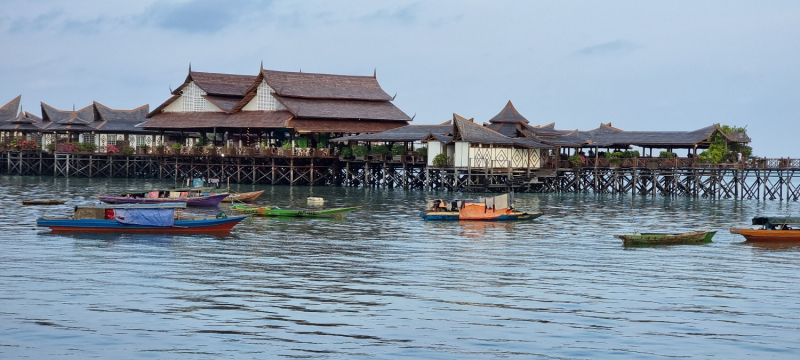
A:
<point x="384" y="283"/>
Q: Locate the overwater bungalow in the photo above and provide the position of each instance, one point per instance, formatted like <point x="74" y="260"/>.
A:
<point x="275" y="112"/>
<point x="99" y="126"/>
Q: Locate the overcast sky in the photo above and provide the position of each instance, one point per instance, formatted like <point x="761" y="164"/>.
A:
<point x="641" y="65"/>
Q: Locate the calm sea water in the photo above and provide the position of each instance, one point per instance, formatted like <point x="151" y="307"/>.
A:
<point x="383" y="283"/>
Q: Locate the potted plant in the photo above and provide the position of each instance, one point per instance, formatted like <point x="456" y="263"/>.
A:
<point x="211" y="150"/>
<point x="176" y="148"/>
<point x="379" y="152"/>
<point x="423" y="154"/>
<point x="87" y="147"/>
<point x="112" y="149"/>
<point x="397" y="152"/>
<point x="160" y="149"/>
<point x="197" y="148"/>
<point x="613" y="160"/>
<point x="14" y="144"/>
<point x="575" y="160"/>
<point x="51" y="147"/>
<point x="440" y="160"/>
<point x="360" y="152"/>
<point x="128" y="151"/>
<point x="345" y="153"/>
<point x="248" y="150"/>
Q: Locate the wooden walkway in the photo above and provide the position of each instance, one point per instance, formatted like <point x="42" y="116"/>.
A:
<point x="773" y="179"/>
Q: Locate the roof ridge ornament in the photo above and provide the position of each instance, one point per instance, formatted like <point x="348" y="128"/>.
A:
<point x="395" y="95"/>
<point x="375" y="73"/>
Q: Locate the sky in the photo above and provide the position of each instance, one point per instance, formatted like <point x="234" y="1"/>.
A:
<point x="640" y="65"/>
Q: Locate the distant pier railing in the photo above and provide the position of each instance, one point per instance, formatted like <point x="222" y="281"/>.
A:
<point x="762" y="179"/>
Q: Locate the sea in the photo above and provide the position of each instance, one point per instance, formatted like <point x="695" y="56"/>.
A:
<point x="383" y="283"/>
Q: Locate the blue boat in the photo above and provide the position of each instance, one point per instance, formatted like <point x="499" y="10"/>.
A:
<point x="139" y="218"/>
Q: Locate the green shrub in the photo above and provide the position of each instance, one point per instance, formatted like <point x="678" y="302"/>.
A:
<point x="398" y="150"/>
<point x="360" y="150"/>
<point x="667" y="155"/>
<point x="423" y="151"/>
<point x="380" y="150"/>
<point x="177" y="147"/>
<point x="615" y="160"/>
<point x="440" y="160"/>
<point x="346" y="152"/>
<point x="628" y="154"/>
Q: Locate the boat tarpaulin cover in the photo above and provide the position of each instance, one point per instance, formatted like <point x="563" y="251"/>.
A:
<point x="150" y="217"/>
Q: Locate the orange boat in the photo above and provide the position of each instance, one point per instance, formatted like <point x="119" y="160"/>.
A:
<point x="772" y="229"/>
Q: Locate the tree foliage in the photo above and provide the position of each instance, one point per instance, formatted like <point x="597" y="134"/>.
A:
<point x="720" y="150"/>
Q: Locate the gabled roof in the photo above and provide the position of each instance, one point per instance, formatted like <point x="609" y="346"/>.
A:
<point x="342" y="109"/>
<point x="466" y="130"/>
<point x="51" y="114"/>
<point x="21" y="123"/>
<point x="108" y="119"/>
<point x="325" y="86"/>
<point x="509" y="114"/>
<point x="9" y="111"/>
<point x="218" y="84"/>
<point x="406" y="133"/>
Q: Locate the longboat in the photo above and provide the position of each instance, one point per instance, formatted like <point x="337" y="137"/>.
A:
<point x="773" y="228"/>
<point x="691" y="237"/>
<point x="275" y="211"/>
<point x="43" y="202"/>
<point x="190" y="196"/>
<point x="245" y="197"/>
<point x="495" y="208"/>
<point x="138" y="218"/>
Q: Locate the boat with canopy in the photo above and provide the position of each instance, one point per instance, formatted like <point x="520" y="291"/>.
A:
<point x="494" y="208"/>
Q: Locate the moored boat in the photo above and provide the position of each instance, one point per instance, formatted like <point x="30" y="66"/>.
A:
<point x="190" y="196"/>
<point x="691" y="237"/>
<point x="275" y="211"/>
<point x="496" y="208"/>
<point x="138" y="218"/>
<point x="246" y="197"/>
<point x="43" y="202"/>
<point x="773" y="228"/>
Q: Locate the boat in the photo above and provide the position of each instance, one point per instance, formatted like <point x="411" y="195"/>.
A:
<point x="138" y="218"/>
<point x="246" y="197"/>
<point x="773" y="228"/>
<point x="496" y="208"/>
<point x="190" y="196"/>
<point x="275" y="211"/>
<point x="43" y="202"/>
<point x="691" y="237"/>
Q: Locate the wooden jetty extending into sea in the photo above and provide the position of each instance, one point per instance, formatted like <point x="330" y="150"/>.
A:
<point x="768" y="179"/>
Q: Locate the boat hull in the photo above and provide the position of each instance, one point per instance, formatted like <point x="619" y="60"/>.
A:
<point x="455" y="215"/>
<point x="222" y="225"/>
<point x="43" y="202"/>
<point x="243" y="197"/>
<point x="200" y="201"/>
<point x="761" y="235"/>
<point x="263" y="211"/>
<point x="693" y="237"/>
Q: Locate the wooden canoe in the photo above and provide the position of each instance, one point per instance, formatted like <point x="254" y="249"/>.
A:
<point x="243" y="197"/>
<point x="691" y="237"/>
<point x="43" y="202"/>
<point x="274" y="211"/>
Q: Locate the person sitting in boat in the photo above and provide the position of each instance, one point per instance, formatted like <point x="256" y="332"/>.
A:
<point x="436" y="204"/>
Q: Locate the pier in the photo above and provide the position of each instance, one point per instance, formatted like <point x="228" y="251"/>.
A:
<point x="765" y="179"/>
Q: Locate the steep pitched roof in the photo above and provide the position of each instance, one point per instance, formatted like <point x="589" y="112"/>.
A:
<point x="467" y="130"/>
<point x="342" y="109"/>
<point x="9" y="111"/>
<point x="509" y="114"/>
<point x="21" y="123"/>
<point x="325" y="86"/>
<point x="51" y="114"/>
<point x="108" y="119"/>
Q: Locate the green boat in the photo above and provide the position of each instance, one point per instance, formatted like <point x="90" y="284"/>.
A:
<point x="275" y="211"/>
<point x="692" y="237"/>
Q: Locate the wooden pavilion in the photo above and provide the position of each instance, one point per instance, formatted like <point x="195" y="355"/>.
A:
<point x="276" y="112"/>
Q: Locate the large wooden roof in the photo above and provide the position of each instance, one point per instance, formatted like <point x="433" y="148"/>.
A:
<point x="306" y="96"/>
<point x="201" y="120"/>
<point x="466" y="130"/>
<point x="9" y="111"/>
<point x="325" y="86"/>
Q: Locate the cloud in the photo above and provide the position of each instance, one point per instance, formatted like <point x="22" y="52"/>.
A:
<point x="41" y="21"/>
<point x="201" y="16"/>
<point x="609" y="48"/>
<point x="404" y="15"/>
